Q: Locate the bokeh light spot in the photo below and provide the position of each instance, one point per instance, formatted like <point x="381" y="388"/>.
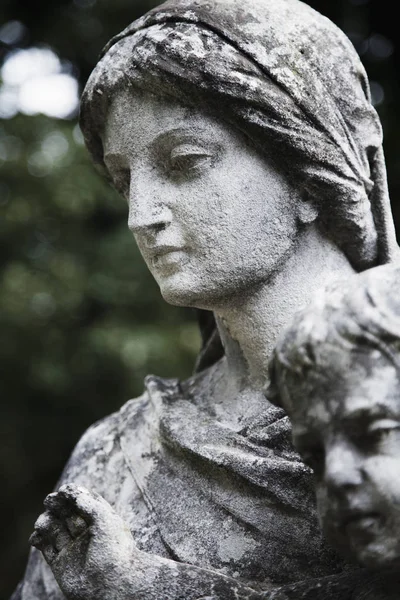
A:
<point x="34" y="82"/>
<point x="12" y="32"/>
<point x="39" y="165"/>
<point x="54" y="95"/>
<point x="8" y="103"/>
<point x="23" y="65"/>
<point x="380" y="46"/>
<point x="55" y="146"/>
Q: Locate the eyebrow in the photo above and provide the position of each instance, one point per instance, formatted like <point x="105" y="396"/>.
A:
<point x="162" y="139"/>
<point x="165" y="139"/>
<point x="362" y="412"/>
<point x="367" y="411"/>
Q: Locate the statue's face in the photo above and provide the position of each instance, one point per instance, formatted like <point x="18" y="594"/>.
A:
<point x="346" y="425"/>
<point x="211" y="217"/>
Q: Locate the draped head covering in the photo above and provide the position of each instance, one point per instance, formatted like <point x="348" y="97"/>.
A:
<point x="284" y="75"/>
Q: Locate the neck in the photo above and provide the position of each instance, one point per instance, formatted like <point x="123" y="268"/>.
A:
<point x="250" y="322"/>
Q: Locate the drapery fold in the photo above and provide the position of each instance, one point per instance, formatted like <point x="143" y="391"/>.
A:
<point x="241" y="502"/>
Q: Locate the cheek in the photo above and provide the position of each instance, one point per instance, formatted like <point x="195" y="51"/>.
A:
<point x="383" y="473"/>
<point x="236" y="219"/>
<point x="210" y="200"/>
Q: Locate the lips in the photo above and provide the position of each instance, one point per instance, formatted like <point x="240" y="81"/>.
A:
<point x="167" y="256"/>
<point x="163" y="250"/>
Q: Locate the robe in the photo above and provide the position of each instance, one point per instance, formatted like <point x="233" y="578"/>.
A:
<point x="196" y="491"/>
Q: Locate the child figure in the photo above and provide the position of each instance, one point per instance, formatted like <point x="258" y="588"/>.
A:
<point x="336" y="372"/>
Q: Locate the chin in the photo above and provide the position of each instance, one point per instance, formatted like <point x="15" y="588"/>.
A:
<point x="180" y="291"/>
<point x="379" y="554"/>
<point x="178" y="294"/>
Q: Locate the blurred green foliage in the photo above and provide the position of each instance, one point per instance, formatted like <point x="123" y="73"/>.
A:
<point x="81" y="320"/>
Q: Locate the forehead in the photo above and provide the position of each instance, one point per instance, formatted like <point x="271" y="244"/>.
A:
<point x="350" y="384"/>
<point x="136" y="118"/>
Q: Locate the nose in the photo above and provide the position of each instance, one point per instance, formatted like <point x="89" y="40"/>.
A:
<point x="148" y="207"/>
<point x="343" y="467"/>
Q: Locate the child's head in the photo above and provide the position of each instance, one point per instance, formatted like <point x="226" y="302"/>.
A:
<point x="336" y="371"/>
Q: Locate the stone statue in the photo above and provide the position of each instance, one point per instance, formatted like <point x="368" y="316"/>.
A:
<point x="243" y="138"/>
<point x="336" y="371"/>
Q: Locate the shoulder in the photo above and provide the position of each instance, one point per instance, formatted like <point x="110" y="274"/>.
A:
<point x="97" y="458"/>
<point x="97" y="461"/>
<point x="98" y="440"/>
<point x="99" y="446"/>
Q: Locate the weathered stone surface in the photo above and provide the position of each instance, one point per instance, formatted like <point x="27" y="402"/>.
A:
<point x="337" y="372"/>
<point x="244" y="141"/>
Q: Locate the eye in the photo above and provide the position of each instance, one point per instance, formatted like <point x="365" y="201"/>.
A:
<point x="189" y="159"/>
<point x="381" y="430"/>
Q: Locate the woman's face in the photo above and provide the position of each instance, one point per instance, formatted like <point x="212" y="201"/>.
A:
<point x="212" y="218"/>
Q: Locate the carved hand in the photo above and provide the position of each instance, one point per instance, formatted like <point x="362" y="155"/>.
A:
<point x="93" y="556"/>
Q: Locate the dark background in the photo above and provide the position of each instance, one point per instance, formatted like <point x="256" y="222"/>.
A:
<point x="81" y="320"/>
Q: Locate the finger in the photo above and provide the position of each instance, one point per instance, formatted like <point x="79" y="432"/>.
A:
<point x="40" y="540"/>
<point x="61" y="506"/>
<point x="50" y="536"/>
<point x="44" y="530"/>
<point x="87" y="504"/>
<point x="65" y="504"/>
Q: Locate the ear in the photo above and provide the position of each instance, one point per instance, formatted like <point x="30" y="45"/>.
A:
<point x="307" y="211"/>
